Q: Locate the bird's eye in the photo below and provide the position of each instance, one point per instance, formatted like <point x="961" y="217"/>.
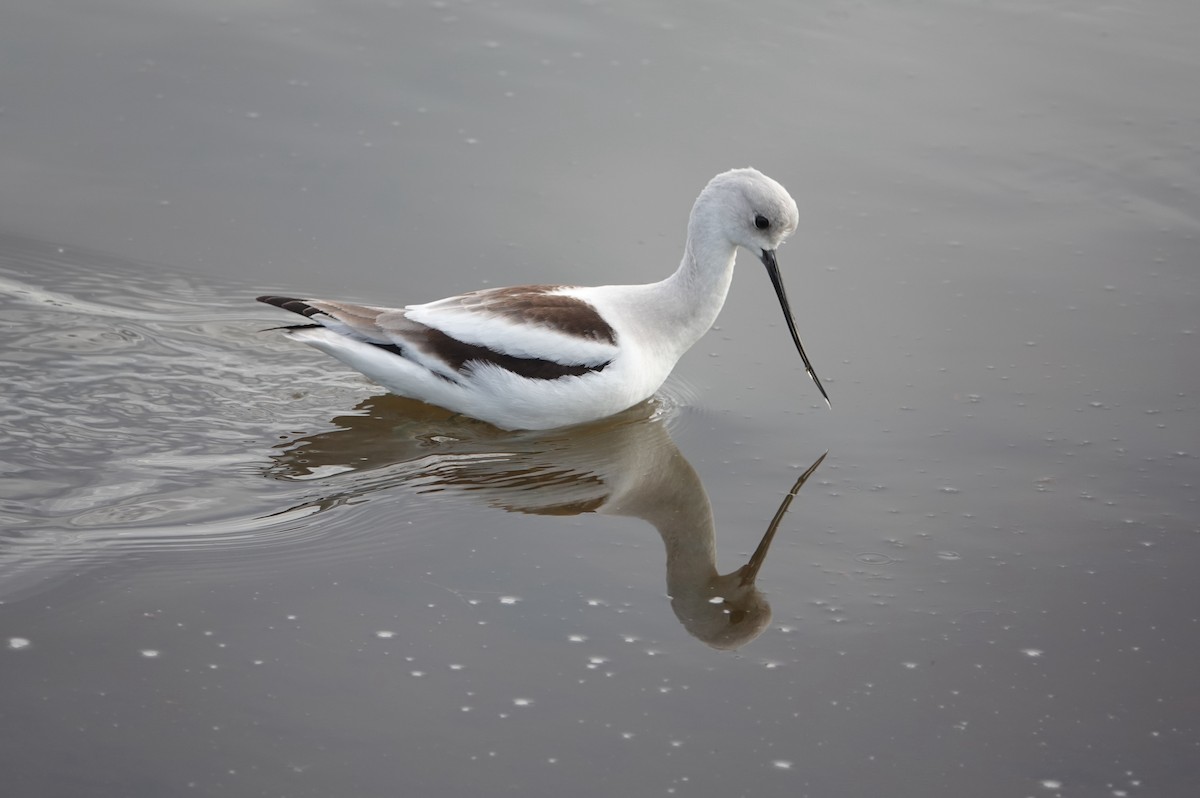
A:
<point x="761" y="222"/>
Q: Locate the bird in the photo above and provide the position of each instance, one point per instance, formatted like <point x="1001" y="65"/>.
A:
<point x="539" y="357"/>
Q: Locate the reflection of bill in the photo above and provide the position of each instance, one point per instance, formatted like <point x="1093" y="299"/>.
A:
<point x="626" y="465"/>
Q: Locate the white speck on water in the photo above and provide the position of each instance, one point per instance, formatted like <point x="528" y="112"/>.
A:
<point x="949" y="555"/>
<point x="509" y="599"/>
<point x="948" y="489"/>
<point x="577" y="638"/>
<point x="627" y="735"/>
<point x="1032" y="652"/>
<point x="454" y="666"/>
<point x="782" y="764"/>
<point x="385" y="634"/>
<point x="910" y="665"/>
<point x="1051" y="784"/>
<point x="149" y="653"/>
<point x="717" y="600"/>
<point x="418" y="674"/>
<point x="522" y="702"/>
<point x="629" y="638"/>
<point x="17" y="643"/>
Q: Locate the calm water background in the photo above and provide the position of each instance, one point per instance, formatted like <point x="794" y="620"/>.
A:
<point x="227" y="566"/>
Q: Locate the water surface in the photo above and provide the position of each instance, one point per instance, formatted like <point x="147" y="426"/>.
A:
<point x="227" y="565"/>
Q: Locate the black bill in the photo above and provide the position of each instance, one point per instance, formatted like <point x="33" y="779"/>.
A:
<point x="749" y="571"/>
<point x="768" y="259"/>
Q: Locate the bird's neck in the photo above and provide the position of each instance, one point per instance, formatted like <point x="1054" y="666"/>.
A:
<point x="696" y="291"/>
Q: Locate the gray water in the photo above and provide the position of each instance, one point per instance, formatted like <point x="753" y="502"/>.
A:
<point x="230" y="566"/>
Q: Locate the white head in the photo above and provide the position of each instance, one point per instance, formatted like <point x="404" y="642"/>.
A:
<point x="751" y="210"/>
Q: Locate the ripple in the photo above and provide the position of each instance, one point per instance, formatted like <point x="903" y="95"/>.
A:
<point x="137" y="416"/>
<point x="89" y="339"/>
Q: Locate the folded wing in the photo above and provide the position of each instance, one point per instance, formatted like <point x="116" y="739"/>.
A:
<point x="536" y="332"/>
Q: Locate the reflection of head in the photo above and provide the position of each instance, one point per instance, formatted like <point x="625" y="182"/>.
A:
<point x="723" y="619"/>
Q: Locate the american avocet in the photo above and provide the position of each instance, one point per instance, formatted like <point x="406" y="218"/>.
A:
<point x="544" y="356"/>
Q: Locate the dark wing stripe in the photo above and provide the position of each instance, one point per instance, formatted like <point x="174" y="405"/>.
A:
<point x="289" y="303"/>
<point x="461" y="356"/>
<point x="539" y="305"/>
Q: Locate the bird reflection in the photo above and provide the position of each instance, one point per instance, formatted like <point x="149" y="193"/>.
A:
<point x="625" y="465"/>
